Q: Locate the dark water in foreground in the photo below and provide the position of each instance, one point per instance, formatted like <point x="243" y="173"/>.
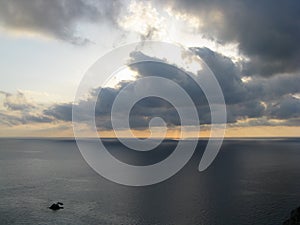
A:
<point x="251" y="182"/>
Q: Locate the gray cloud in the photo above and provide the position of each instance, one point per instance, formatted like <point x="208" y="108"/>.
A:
<point x="57" y="18"/>
<point x="24" y="118"/>
<point x="60" y="111"/>
<point x="19" y="110"/>
<point x="268" y="32"/>
<point x="227" y="73"/>
<point x="273" y="88"/>
<point x="17" y="102"/>
<point x="269" y="97"/>
<point x="285" y="108"/>
<point x="9" y="120"/>
<point x="260" y="99"/>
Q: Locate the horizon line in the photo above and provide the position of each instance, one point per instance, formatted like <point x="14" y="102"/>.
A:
<point x="169" y="138"/>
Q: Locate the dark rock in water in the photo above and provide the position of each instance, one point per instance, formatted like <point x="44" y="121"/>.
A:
<point x="294" y="218"/>
<point x="56" y="206"/>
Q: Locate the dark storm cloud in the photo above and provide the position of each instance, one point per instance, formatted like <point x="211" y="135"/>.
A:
<point x="270" y="97"/>
<point x="240" y="103"/>
<point x="57" y="18"/>
<point x="268" y="32"/>
<point x="156" y="107"/>
<point x="151" y="107"/>
<point x="259" y="99"/>
<point x="286" y="108"/>
<point x="63" y="111"/>
<point x="273" y="88"/>
<point x="227" y="73"/>
<point x="244" y="110"/>
<point x="60" y="112"/>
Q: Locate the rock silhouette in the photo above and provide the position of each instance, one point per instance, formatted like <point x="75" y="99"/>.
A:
<point x="56" y="206"/>
<point x="294" y="218"/>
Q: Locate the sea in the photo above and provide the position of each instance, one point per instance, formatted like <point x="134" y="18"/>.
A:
<point x="251" y="182"/>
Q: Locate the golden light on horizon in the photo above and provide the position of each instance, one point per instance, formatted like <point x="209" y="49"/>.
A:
<point x="230" y="132"/>
<point x="66" y="130"/>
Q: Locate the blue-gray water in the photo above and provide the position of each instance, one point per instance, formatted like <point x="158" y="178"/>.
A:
<point x="251" y="182"/>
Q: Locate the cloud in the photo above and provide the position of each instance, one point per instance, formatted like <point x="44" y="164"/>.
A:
<point x="285" y="108"/>
<point x="227" y="73"/>
<point x="24" y="118"/>
<point x="273" y="88"/>
<point x="16" y="109"/>
<point x="17" y="102"/>
<point x="268" y="32"/>
<point x="268" y="98"/>
<point x="142" y="18"/>
<point x="259" y="97"/>
<point x="56" y="18"/>
<point x="60" y="111"/>
<point x="256" y="101"/>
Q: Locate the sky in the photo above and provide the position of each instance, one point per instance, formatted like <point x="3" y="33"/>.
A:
<point x="252" y="48"/>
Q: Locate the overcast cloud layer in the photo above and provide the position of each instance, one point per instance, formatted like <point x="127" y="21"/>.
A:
<point x="56" y="18"/>
<point x="267" y="32"/>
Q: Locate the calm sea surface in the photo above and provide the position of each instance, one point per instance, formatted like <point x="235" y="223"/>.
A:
<point x="251" y="182"/>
